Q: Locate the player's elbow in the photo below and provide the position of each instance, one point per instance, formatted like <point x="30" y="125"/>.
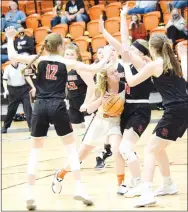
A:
<point x="131" y="83"/>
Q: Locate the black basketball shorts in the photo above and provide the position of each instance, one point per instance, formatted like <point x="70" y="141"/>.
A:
<point x="173" y="123"/>
<point x="76" y="117"/>
<point x="50" y="111"/>
<point x="136" y="116"/>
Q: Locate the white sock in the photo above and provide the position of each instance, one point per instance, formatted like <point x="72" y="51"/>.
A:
<point x="73" y="157"/>
<point x="29" y="191"/>
<point x="167" y="180"/>
<point x="33" y="161"/>
<point x="136" y="179"/>
<point x="78" y="185"/>
<point x="147" y="187"/>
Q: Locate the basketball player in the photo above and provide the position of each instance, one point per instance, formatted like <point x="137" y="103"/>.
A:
<point x="106" y="153"/>
<point x="50" y="106"/>
<point x="167" y="76"/>
<point x="137" y="112"/>
<point x="95" y="136"/>
<point x="78" y="85"/>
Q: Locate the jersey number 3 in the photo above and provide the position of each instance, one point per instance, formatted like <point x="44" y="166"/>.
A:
<point x="51" y="71"/>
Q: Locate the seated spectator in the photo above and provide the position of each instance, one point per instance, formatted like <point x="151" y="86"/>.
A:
<point x="176" y="27"/>
<point x="58" y="12"/>
<point x="24" y="44"/>
<point x="4" y="54"/>
<point x="14" y="17"/>
<point x="137" y="29"/>
<point x="96" y="2"/>
<point x="74" y="11"/>
<point x="143" y="7"/>
<point x="179" y="4"/>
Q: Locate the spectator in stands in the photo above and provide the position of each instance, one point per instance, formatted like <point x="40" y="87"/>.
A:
<point x="176" y="27"/>
<point x="24" y="44"/>
<point x="14" y="17"/>
<point x="4" y="54"/>
<point x="96" y="2"/>
<point x="137" y="29"/>
<point x="179" y="4"/>
<point x="58" y="12"/>
<point x="143" y="7"/>
<point x="74" y="11"/>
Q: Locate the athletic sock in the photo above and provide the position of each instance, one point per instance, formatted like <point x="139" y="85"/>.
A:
<point x="167" y="180"/>
<point x="120" y="178"/>
<point x="62" y="174"/>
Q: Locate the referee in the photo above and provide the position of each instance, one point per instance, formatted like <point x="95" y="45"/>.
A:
<point x="17" y="89"/>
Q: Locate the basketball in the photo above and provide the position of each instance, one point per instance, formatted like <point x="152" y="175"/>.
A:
<point x="113" y="106"/>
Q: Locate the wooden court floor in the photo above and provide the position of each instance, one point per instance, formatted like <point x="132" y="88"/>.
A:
<point x="100" y="185"/>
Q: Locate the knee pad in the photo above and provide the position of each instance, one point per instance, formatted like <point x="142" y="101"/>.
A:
<point x="73" y="159"/>
<point x="127" y="153"/>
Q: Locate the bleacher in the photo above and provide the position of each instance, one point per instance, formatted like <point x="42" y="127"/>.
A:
<point x="87" y="36"/>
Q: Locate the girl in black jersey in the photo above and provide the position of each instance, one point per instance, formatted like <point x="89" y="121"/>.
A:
<point x="50" y="106"/>
<point x="137" y="112"/>
<point x="78" y="85"/>
<point x="167" y="76"/>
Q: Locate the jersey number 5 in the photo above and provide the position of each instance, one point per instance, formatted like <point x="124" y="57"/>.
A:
<point x="51" y="71"/>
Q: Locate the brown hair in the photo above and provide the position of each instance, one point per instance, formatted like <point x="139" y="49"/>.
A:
<point x="163" y="48"/>
<point x="76" y="48"/>
<point x="51" y="44"/>
<point x="137" y="22"/>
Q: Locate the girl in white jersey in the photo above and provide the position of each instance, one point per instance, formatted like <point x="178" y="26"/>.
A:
<point x="101" y="128"/>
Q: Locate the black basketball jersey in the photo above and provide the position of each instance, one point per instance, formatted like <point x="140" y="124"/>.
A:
<point x="141" y="91"/>
<point x="171" y="87"/>
<point x="121" y="71"/>
<point x="51" y="78"/>
<point x="75" y="85"/>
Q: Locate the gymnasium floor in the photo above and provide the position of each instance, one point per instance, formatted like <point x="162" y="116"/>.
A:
<point x="100" y="185"/>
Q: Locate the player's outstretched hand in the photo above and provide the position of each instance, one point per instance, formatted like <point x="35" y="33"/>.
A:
<point x="125" y="9"/>
<point x="83" y="108"/>
<point x="101" y="24"/>
<point x="5" y="94"/>
<point x="182" y="51"/>
<point x="147" y="59"/>
<point x="10" y="32"/>
<point x="33" y="92"/>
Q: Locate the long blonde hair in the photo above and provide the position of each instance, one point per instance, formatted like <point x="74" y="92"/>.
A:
<point x="161" y="44"/>
<point x="101" y="83"/>
<point x="51" y="44"/>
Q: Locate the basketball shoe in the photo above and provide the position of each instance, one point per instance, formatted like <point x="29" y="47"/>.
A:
<point x="166" y="189"/>
<point x="79" y="193"/>
<point x="147" y="197"/>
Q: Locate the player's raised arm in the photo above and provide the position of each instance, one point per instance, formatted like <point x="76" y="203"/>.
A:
<point x="154" y="68"/>
<point x="112" y="41"/>
<point x="124" y="28"/>
<point x="96" y="67"/>
<point x="12" y="54"/>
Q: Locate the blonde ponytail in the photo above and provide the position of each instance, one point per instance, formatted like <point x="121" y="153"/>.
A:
<point x="101" y="83"/>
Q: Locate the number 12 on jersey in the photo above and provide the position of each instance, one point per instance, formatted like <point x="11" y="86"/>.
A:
<point x="51" y="71"/>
